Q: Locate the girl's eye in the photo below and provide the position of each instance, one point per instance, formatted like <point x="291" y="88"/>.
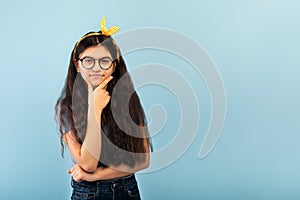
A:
<point x="88" y="60"/>
<point x="105" y="61"/>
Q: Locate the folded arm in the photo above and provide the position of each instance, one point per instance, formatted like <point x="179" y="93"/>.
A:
<point x="86" y="154"/>
<point x="79" y="174"/>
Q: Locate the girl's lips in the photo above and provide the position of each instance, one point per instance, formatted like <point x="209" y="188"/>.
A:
<point x="96" y="75"/>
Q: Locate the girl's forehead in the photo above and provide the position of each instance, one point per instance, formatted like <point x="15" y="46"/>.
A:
<point x="96" y="52"/>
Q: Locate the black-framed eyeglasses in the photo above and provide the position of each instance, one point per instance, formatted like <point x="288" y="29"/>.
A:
<point x="89" y="62"/>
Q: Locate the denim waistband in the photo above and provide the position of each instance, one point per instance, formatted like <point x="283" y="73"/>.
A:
<point x="110" y="184"/>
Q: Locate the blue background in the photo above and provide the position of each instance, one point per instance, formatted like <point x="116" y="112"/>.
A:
<point x="255" y="45"/>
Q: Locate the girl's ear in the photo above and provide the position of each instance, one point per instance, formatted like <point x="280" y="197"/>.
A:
<point x="76" y="65"/>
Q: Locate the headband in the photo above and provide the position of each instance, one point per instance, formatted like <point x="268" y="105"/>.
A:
<point x="104" y="31"/>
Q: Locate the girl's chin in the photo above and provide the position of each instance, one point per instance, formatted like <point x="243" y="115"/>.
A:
<point x="95" y="85"/>
<point x="95" y="82"/>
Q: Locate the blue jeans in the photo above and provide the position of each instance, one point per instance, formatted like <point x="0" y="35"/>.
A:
<point x="123" y="188"/>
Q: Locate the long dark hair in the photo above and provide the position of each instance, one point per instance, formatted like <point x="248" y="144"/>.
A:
<point x="71" y="108"/>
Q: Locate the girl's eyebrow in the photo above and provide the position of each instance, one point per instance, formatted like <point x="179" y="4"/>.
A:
<point x="86" y="56"/>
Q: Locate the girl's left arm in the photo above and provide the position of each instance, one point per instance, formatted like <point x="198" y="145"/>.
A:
<point x="79" y="174"/>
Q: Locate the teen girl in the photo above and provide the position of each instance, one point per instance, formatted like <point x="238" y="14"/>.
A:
<point x="96" y="121"/>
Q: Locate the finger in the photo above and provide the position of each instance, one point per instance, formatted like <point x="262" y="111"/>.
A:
<point x="102" y="93"/>
<point x="74" y="167"/>
<point x="104" y="82"/>
<point x="71" y="170"/>
<point x="75" y="178"/>
<point x="107" y="99"/>
<point x="73" y="174"/>
<point x="78" y="179"/>
<point x="74" y="170"/>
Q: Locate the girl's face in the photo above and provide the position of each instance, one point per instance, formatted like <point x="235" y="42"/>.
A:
<point x="99" y="55"/>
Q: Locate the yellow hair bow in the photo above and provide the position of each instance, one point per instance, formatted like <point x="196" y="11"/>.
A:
<point x="105" y="31"/>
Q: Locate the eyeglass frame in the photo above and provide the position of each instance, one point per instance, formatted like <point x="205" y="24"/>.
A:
<point x="112" y="62"/>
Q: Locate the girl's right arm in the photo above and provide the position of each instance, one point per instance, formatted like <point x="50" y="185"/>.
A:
<point x="79" y="174"/>
<point x="88" y="153"/>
